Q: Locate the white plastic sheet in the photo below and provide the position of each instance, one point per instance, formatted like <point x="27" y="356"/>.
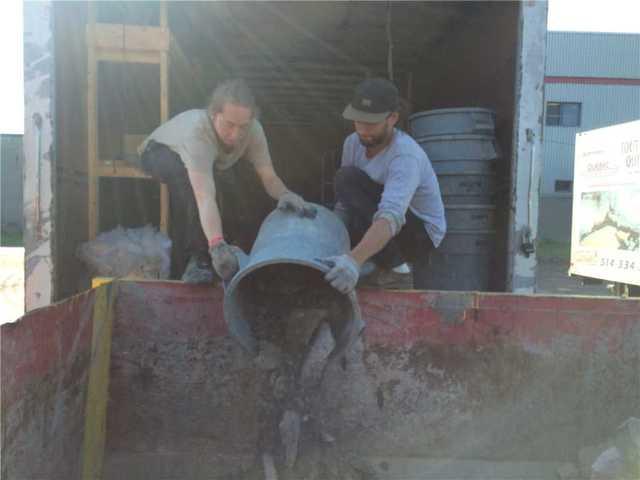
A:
<point x="133" y="253"/>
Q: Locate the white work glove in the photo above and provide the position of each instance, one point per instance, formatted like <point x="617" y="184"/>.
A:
<point x="344" y="272"/>
<point x="294" y="202"/>
<point x="224" y="260"/>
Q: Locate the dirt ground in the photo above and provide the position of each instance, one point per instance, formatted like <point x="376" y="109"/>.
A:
<point x="552" y="278"/>
<point x="11" y="283"/>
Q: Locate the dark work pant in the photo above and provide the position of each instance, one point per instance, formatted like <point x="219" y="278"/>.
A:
<point x="360" y="196"/>
<point x="241" y="201"/>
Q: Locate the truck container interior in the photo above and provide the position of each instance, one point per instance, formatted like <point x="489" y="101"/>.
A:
<point x="302" y="60"/>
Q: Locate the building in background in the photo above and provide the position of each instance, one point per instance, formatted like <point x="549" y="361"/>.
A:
<point x="11" y="170"/>
<point x="592" y="80"/>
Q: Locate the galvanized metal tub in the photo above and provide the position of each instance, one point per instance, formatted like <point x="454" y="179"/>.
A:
<point x="460" y="272"/>
<point x="453" y="121"/>
<point x="468" y="166"/>
<point x="467" y="217"/>
<point x="475" y="242"/>
<point x="462" y="185"/>
<point x="459" y="147"/>
<point x="283" y="271"/>
<point x="463" y="260"/>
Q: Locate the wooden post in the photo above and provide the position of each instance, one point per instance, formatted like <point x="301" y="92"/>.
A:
<point x="143" y="45"/>
<point x="95" y="413"/>
<point x="92" y="125"/>
<point x="164" y="116"/>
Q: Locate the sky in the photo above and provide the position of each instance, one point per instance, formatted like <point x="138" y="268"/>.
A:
<point x="594" y="15"/>
<point x="569" y="15"/>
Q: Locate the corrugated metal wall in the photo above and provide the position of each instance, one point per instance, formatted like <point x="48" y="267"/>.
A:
<point x="583" y="54"/>
<point x="11" y="167"/>
<point x="602" y="105"/>
<point x="574" y="56"/>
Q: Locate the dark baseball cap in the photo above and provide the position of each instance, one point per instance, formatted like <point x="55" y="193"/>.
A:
<point x="373" y="101"/>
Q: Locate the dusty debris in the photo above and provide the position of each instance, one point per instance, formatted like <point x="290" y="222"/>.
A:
<point x="294" y="443"/>
<point x="295" y="328"/>
<point x="569" y="471"/>
<point x="315" y="362"/>
<point x="269" y="466"/>
<point x="322" y="463"/>
<point x="627" y="441"/>
<point x="269" y="357"/>
<point x="621" y="460"/>
<point x="289" y="428"/>
<point x="128" y="252"/>
<point x="588" y="455"/>
<point x="608" y="466"/>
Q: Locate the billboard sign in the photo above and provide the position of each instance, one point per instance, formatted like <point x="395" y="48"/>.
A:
<point x="605" y="230"/>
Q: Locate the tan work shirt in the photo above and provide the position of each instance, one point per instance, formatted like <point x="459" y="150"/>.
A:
<point x="190" y="134"/>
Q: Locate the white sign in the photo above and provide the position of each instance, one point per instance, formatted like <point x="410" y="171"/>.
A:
<point x="605" y="234"/>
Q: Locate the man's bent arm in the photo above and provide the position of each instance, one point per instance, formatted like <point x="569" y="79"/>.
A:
<point x="204" y="190"/>
<point x="399" y="188"/>
<point x="374" y="240"/>
<point x="271" y="182"/>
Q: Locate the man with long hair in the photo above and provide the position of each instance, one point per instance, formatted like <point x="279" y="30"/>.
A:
<point x="207" y="157"/>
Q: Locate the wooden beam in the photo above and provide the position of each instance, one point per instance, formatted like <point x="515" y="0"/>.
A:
<point x="164" y="87"/>
<point x="164" y="20"/>
<point x="95" y="414"/>
<point x="119" y="169"/>
<point x="164" y="209"/>
<point x="122" y="56"/>
<point x="164" y="116"/>
<point x="120" y="43"/>
<point x="92" y="133"/>
<point x="129" y="37"/>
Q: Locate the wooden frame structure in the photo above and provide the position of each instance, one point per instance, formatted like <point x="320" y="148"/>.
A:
<point x="124" y="44"/>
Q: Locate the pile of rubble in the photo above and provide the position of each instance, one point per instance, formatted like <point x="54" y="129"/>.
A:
<point x="617" y="459"/>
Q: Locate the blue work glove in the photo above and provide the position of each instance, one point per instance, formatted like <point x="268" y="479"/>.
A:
<point x="294" y="202"/>
<point x="343" y="274"/>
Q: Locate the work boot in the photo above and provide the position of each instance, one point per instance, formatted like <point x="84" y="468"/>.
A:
<point x="388" y="279"/>
<point x="198" y="271"/>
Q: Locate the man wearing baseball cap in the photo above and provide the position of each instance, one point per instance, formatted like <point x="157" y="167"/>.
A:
<point x="387" y="194"/>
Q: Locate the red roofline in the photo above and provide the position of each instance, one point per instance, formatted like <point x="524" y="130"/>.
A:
<point x="592" y="80"/>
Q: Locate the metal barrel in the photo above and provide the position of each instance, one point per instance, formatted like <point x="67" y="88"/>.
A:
<point x="461" y="189"/>
<point x="470" y="217"/>
<point x="453" y="121"/>
<point x="283" y="275"/>
<point x="462" y="148"/>
<point x="443" y="148"/>
<point x="463" y="261"/>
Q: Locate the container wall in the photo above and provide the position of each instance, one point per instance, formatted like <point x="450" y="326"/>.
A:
<point x="39" y="188"/>
<point x="453" y="375"/>
<point x="45" y="370"/>
<point x="437" y="375"/>
<point x="302" y="60"/>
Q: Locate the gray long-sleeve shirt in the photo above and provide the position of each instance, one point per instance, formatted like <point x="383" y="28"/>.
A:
<point x="409" y="182"/>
